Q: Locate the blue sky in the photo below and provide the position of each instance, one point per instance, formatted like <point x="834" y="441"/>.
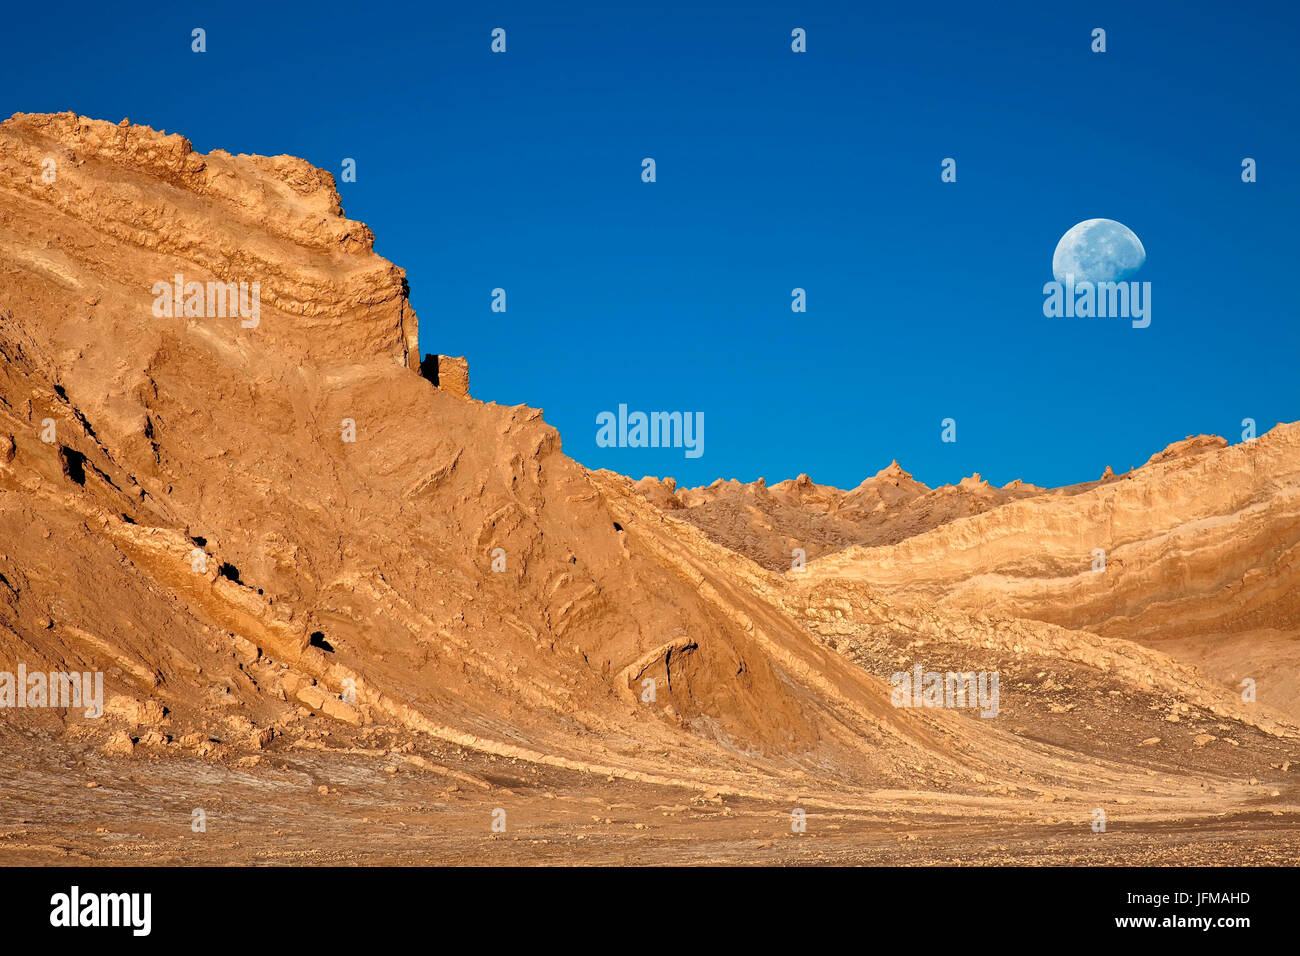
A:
<point x="775" y="170"/>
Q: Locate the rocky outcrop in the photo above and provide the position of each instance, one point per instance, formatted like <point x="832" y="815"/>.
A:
<point x="296" y="486"/>
<point x="123" y="208"/>
<point x="448" y="372"/>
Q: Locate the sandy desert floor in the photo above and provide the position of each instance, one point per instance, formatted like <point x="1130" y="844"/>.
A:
<point x="73" y="807"/>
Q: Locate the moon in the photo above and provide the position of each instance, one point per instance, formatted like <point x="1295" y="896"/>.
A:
<point x="1098" y="250"/>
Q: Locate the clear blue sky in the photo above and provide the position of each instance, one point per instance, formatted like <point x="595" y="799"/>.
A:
<point x="775" y="170"/>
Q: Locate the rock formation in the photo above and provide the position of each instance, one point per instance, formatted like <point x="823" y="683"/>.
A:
<point x="767" y="523"/>
<point x="1195" y="554"/>
<point x="448" y="372"/>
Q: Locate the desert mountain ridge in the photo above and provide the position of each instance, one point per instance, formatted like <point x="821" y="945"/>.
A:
<point x="768" y="522"/>
<point x="354" y="612"/>
<point x="896" y="474"/>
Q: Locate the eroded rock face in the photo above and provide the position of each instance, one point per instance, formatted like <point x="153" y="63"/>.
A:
<point x="121" y="208"/>
<point x="295" y="485"/>
<point x="1202" y="539"/>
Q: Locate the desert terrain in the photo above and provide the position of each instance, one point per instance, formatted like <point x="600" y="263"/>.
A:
<point x="354" y="612"/>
